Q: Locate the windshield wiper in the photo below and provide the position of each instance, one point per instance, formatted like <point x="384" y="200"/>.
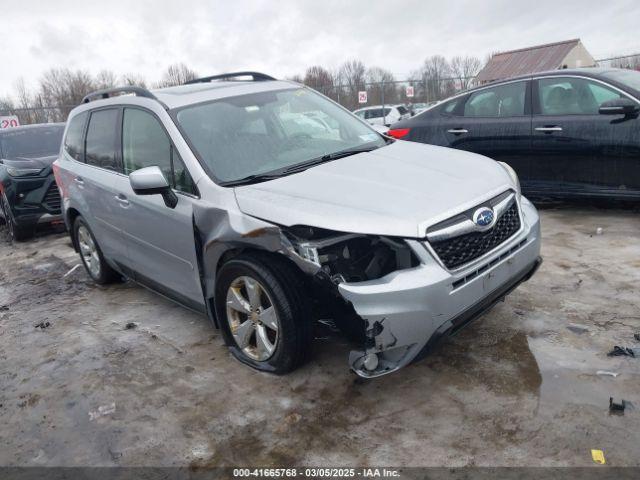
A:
<point x="295" y="168"/>
<point x="327" y="158"/>
<point x="251" y="179"/>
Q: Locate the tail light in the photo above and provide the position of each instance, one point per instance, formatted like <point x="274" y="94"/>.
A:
<point x="398" y="132"/>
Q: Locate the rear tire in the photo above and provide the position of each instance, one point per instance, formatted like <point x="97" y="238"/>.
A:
<point x="91" y="255"/>
<point x="254" y="293"/>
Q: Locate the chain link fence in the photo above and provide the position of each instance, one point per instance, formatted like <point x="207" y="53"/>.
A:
<point x="394" y="92"/>
<point x="627" y="61"/>
<point x="408" y="92"/>
<point x="38" y="114"/>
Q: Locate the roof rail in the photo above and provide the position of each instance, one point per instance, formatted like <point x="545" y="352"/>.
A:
<point x="108" y="92"/>
<point x="256" y="76"/>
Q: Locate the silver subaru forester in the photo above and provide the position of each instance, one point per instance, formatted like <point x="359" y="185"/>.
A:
<point x="266" y="206"/>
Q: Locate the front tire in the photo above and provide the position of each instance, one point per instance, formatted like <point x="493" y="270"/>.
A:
<point x="91" y="255"/>
<point x="263" y="312"/>
<point x="15" y="232"/>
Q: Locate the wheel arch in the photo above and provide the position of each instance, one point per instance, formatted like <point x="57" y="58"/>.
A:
<point x="70" y="218"/>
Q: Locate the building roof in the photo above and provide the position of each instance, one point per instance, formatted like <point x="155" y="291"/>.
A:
<point x="526" y="60"/>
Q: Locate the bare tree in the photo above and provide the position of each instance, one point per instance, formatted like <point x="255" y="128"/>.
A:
<point x="434" y="78"/>
<point x="6" y="106"/>
<point x="464" y="69"/>
<point x="381" y="87"/>
<point x="25" y="106"/>
<point x="177" y="74"/>
<point x="133" y="79"/>
<point x="105" y="79"/>
<point x="64" y="89"/>
<point x="296" y="78"/>
<point x="352" y="75"/>
<point x="319" y="79"/>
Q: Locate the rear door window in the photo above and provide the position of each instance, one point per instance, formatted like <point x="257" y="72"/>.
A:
<point x="500" y="101"/>
<point x="101" y="142"/>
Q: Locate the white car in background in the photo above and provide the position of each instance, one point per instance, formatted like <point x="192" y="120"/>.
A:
<point x="374" y="115"/>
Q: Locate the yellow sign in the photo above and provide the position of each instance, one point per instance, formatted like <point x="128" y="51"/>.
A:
<point x="598" y="456"/>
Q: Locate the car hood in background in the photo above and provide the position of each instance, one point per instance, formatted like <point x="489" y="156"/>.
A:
<point x="397" y="190"/>
<point x="30" y="162"/>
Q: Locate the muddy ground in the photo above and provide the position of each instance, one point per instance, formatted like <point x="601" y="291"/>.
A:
<point x="518" y="387"/>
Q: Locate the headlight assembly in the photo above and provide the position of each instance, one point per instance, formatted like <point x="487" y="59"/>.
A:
<point x="24" y="172"/>
<point x="350" y="257"/>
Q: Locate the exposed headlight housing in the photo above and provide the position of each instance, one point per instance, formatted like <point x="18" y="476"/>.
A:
<point x="514" y="177"/>
<point x="350" y="257"/>
<point x="24" y="172"/>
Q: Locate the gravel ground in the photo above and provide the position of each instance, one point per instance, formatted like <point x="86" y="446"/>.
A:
<point x="518" y="387"/>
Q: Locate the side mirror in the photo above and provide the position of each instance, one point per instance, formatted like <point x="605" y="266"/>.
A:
<point x="151" y="181"/>
<point x="619" y="106"/>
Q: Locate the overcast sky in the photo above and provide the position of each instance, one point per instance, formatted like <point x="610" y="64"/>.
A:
<point x="284" y="37"/>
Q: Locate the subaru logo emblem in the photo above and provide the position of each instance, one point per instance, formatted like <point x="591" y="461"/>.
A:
<point x="483" y="217"/>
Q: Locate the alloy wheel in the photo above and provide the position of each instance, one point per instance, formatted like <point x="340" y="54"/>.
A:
<point x="252" y="318"/>
<point x="89" y="251"/>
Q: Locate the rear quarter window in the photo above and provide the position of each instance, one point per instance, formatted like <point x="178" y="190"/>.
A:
<point x="74" y="140"/>
<point x="450" y="107"/>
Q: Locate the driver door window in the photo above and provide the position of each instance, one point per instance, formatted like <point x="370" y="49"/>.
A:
<point x="145" y="143"/>
<point x="572" y="96"/>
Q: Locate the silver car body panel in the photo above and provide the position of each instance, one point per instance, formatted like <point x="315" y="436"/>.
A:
<point x="399" y="190"/>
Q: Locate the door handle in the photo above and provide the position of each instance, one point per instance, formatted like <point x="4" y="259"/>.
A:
<point x="457" y="131"/>
<point x="549" y="129"/>
<point x="122" y="200"/>
<point x="79" y="180"/>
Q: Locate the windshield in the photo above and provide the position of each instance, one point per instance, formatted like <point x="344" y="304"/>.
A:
<point x="31" y="142"/>
<point x="269" y="132"/>
<point x="631" y="78"/>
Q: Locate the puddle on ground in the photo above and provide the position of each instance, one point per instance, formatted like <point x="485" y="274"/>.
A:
<point x="569" y="376"/>
<point x="500" y="361"/>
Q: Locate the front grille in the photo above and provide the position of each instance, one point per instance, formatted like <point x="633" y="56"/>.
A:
<point x="457" y="251"/>
<point x="52" y="198"/>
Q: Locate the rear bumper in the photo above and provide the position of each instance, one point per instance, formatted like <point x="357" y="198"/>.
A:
<point x="407" y="311"/>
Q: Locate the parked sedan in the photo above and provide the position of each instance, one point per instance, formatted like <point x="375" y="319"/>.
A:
<point x="565" y="133"/>
<point x="28" y="192"/>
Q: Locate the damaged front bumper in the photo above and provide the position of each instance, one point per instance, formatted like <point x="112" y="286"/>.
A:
<point x="407" y="311"/>
<point x="34" y="200"/>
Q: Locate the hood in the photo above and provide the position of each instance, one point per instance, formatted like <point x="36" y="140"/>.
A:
<point x="30" y="162"/>
<point x="397" y="190"/>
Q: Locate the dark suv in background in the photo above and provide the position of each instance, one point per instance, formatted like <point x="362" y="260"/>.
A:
<point x="29" y="195"/>
<point x="565" y="133"/>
